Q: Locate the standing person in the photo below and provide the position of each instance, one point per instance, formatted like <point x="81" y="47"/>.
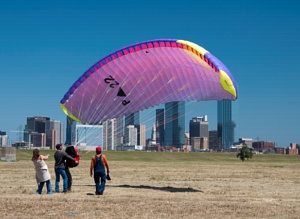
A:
<point x="98" y="165"/>
<point x="60" y="164"/>
<point x="41" y="171"/>
<point x="70" y="180"/>
<point x="72" y="151"/>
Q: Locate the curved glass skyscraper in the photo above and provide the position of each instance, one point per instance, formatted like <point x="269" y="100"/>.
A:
<point x="225" y="124"/>
<point x="174" y="124"/>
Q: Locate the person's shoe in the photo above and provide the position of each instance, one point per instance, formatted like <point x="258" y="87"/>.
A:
<point x="49" y="192"/>
<point x="100" y="193"/>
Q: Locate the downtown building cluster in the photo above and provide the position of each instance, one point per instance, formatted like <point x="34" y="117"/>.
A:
<point x="167" y="133"/>
<point x="127" y="133"/>
<point x="39" y="132"/>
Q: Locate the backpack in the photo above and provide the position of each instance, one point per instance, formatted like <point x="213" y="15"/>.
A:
<point x="72" y="151"/>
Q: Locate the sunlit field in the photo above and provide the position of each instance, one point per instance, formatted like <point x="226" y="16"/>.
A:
<point x="159" y="185"/>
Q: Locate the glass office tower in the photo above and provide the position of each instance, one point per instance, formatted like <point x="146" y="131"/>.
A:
<point x="160" y="126"/>
<point x="70" y="122"/>
<point x="132" y="119"/>
<point x="225" y="124"/>
<point x="174" y="124"/>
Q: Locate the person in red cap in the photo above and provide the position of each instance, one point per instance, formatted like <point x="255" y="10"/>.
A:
<point x="98" y="165"/>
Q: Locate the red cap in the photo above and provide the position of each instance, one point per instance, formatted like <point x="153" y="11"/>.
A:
<point x="98" y="149"/>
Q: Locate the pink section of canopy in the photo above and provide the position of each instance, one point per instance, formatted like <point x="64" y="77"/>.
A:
<point x="148" y="77"/>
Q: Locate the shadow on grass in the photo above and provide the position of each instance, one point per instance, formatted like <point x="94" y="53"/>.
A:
<point x="166" y="188"/>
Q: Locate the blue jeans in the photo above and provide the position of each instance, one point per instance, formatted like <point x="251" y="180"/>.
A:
<point x="61" y="172"/>
<point x="100" y="180"/>
<point x="41" y="185"/>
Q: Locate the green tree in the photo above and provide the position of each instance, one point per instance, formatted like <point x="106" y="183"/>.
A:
<point x="244" y="153"/>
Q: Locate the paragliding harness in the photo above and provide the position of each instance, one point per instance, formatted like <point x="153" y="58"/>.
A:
<point x="72" y="151"/>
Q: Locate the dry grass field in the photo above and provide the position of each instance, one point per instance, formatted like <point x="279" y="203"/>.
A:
<point x="160" y="185"/>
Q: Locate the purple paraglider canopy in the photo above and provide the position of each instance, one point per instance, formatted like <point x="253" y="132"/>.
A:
<point x="144" y="75"/>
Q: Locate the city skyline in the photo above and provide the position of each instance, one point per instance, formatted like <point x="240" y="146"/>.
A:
<point x="84" y="137"/>
<point x="46" y="46"/>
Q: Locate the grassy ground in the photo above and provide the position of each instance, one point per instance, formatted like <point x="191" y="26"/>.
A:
<point x="159" y="185"/>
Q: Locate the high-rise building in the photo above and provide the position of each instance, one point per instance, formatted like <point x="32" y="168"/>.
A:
<point x="35" y="130"/>
<point x="174" y="124"/>
<point x="109" y="128"/>
<point x="199" y="130"/>
<point x="119" y="131"/>
<point x="131" y="135"/>
<point x="37" y="124"/>
<point x="199" y="127"/>
<point x="141" y="134"/>
<point x="213" y="140"/>
<point x="225" y="124"/>
<point x="113" y="133"/>
<point x="187" y="138"/>
<point x="70" y="122"/>
<point x="153" y="133"/>
<point x="131" y="119"/>
<point x="54" y="133"/>
<point x="160" y="126"/>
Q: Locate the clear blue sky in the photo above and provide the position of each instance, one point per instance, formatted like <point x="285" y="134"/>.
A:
<point x="46" y="45"/>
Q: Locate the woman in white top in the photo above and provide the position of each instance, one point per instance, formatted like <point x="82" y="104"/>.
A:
<point x="41" y="171"/>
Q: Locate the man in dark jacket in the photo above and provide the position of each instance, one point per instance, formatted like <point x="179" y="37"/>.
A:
<point x="60" y="164"/>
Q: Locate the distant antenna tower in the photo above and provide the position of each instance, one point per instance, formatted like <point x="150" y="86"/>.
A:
<point x="20" y="133"/>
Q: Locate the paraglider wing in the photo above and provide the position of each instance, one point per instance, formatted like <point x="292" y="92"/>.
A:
<point x="144" y="75"/>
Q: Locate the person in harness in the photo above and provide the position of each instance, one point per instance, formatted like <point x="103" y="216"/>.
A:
<point x="98" y="165"/>
<point x="73" y="152"/>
